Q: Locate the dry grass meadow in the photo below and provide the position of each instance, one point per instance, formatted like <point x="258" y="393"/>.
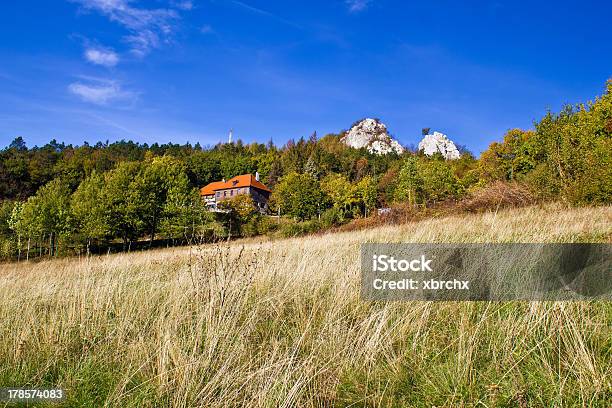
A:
<point x="280" y="324"/>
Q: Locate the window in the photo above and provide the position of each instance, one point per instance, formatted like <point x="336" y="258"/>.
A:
<point x="218" y="194"/>
<point x="231" y="192"/>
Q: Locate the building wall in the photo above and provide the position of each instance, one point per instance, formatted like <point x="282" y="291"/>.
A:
<point x="259" y="196"/>
<point x="230" y="193"/>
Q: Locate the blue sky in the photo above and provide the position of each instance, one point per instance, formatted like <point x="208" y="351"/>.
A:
<point x="179" y="70"/>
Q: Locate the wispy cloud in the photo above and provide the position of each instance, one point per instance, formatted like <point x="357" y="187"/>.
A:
<point x="183" y="5"/>
<point x="206" y="29"/>
<point x="101" y="91"/>
<point x="101" y="56"/>
<point x="148" y="27"/>
<point x="142" y="42"/>
<point x="355" y="6"/>
<point x="263" y="12"/>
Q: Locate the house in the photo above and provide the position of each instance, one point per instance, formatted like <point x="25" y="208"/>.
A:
<point x="217" y="191"/>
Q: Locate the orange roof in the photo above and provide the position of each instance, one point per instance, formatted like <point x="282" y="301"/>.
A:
<point x="244" y="180"/>
<point x="209" y="189"/>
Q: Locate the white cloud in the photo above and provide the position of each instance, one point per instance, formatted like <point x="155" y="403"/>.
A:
<point x="147" y="26"/>
<point x="142" y="42"/>
<point x="102" y="56"/>
<point x="206" y="29"/>
<point x="101" y="91"/>
<point x="183" y="5"/>
<point x="355" y="6"/>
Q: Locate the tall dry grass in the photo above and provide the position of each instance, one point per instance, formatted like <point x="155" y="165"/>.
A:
<point x="281" y="324"/>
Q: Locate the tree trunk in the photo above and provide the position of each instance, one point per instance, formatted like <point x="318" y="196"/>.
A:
<point x="28" y="253"/>
<point x="153" y="228"/>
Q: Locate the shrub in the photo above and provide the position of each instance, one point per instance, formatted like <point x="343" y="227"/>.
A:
<point x="332" y="217"/>
<point x="259" y="225"/>
<point x="295" y="229"/>
<point x="496" y="195"/>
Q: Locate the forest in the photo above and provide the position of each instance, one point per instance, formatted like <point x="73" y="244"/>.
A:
<point x="62" y="199"/>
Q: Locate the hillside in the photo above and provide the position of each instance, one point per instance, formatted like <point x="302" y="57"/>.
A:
<point x="280" y="323"/>
<point x="59" y="199"/>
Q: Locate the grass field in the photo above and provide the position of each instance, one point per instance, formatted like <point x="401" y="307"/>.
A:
<point x="280" y="324"/>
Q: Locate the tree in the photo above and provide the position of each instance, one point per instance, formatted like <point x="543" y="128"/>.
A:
<point x="350" y="199"/>
<point x="88" y="208"/>
<point x="11" y="225"/>
<point x="18" y="144"/>
<point x="410" y="182"/>
<point x="242" y="204"/>
<point x="159" y="178"/>
<point x="438" y="180"/>
<point x="240" y="210"/>
<point x="268" y="167"/>
<point x="574" y="150"/>
<point x="203" y="167"/>
<point x="342" y="194"/>
<point x="122" y="202"/>
<point x="48" y="213"/>
<point x="510" y="160"/>
<point x="298" y="196"/>
<point x="366" y="192"/>
<point x="185" y="215"/>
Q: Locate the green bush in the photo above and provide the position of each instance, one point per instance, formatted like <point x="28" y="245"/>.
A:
<point x="259" y="225"/>
<point x="295" y="229"/>
<point x="8" y="248"/>
<point x="332" y="217"/>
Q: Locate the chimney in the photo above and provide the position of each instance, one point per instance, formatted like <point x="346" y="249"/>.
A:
<point x="223" y="180"/>
<point x="257" y="175"/>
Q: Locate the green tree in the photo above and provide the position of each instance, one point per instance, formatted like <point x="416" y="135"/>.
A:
<point x="438" y="180"/>
<point x="366" y="191"/>
<point x="48" y="213"/>
<point x="160" y="178"/>
<point x="342" y="194"/>
<point x="10" y="228"/>
<point x="410" y="182"/>
<point x="241" y="209"/>
<point x="122" y="204"/>
<point x="574" y="149"/>
<point x="88" y="209"/>
<point x="298" y="196"/>
<point x="185" y="215"/>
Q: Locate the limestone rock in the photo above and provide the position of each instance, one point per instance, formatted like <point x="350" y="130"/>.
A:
<point x="373" y="135"/>
<point x="439" y="142"/>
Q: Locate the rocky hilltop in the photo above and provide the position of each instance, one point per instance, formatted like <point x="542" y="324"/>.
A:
<point x="439" y="142"/>
<point x="372" y="134"/>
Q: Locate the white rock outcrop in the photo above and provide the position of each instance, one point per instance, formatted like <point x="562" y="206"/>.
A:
<point x="438" y="142"/>
<point x="372" y="134"/>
